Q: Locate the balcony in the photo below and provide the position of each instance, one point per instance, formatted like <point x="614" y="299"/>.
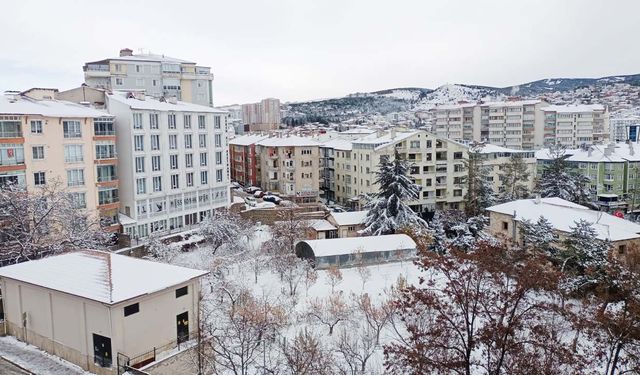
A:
<point x="96" y="70"/>
<point x="10" y="129"/>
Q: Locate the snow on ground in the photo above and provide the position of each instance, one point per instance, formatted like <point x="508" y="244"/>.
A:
<point x="35" y="360"/>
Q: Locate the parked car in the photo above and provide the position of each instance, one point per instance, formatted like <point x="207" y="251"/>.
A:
<point x="250" y="201"/>
<point x="258" y="194"/>
<point x="235" y="185"/>
<point x="272" y="198"/>
<point x="251" y="189"/>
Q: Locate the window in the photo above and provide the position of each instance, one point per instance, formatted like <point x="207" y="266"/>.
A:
<point x="154" y="83"/>
<point x="218" y="139"/>
<point x="155" y="163"/>
<point x="203" y="159"/>
<point x="182" y="291"/>
<point x="621" y="250"/>
<point x="38" y="152"/>
<point x="139" y="81"/>
<point x="140" y="164"/>
<point x="173" y="141"/>
<point x="219" y="175"/>
<point x="155" y="142"/>
<point x="505" y="225"/>
<point x="188" y="160"/>
<point x="218" y="158"/>
<point x="106" y="173"/>
<point x="73" y="154"/>
<point x="171" y="119"/>
<point x="175" y="181"/>
<point x="173" y="161"/>
<point x="141" y="185"/>
<point x="138" y="68"/>
<point x="190" y="179"/>
<point x="105" y="150"/>
<point x="36" y="127"/>
<point x="118" y="81"/>
<point x="39" y="179"/>
<point x="216" y="122"/>
<point x="201" y="122"/>
<point x="153" y="120"/>
<point x="71" y="129"/>
<point x="137" y="120"/>
<point x="187" y="121"/>
<point x="132" y="309"/>
<point x="414" y="144"/>
<point x="187" y="141"/>
<point x="306" y="151"/>
<point x="202" y="138"/>
<point x="78" y="200"/>
<point x="75" y="177"/>
<point x="204" y="177"/>
<point x="157" y="183"/>
<point x="138" y="142"/>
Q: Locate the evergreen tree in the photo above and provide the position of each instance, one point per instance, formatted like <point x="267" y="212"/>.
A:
<point x="514" y="177"/>
<point x="480" y="193"/>
<point x="439" y="242"/>
<point x="584" y="256"/>
<point x="388" y="210"/>
<point x="538" y="236"/>
<point x="558" y="180"/>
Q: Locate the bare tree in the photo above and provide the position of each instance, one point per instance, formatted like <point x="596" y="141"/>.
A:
<point x="306" y="355"/>
<point x="286" y="232"/>
<point x="310" y="278"/>
<point x="160" y="250"/>
<point x="44" y="221"/>
<point x="356" y="345"/>
<point x="334" y="277"/>
<point x="292" y="269"/>
<point x="223" y="228"/>
<point x="329" y="311"/>
<point x="376" y="315"/>
<point x="363" y="271"/>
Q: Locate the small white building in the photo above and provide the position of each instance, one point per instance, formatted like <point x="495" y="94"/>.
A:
<point x="348" y="223"/>
<point x="100" y="310"/>
<point x="344" y="252"/>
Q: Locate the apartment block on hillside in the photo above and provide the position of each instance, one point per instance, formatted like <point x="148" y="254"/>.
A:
<point x="576" y="125"/>
<point x="156" y="75"/>
<point x="173" y="162"/>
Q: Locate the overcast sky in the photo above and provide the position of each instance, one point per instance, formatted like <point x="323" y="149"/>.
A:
<point x="303" y="49"/>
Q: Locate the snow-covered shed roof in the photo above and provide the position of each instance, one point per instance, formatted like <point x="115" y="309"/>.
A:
<point x="321" y="225"/>
<point x="288" y="141"/>
<point x="21" y="105"/>
<point x="574" y="108"/>
<point x="563" y="215"/>
<point x="100" y="276"/>
<point x="154" y="104"/>
<point x="349" y="218"/>
<point x="247" y="140"/>
<point x="351" y="245"/>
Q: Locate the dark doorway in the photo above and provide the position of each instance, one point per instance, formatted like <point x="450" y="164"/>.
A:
<point x="182" y="324"/>
<point x="102" y="351"/>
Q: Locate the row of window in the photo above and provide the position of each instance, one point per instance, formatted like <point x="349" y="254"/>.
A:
<point x="141" y="183"/>
<point x="135" y="308"/>
<point x="156" y="165"/>
<point x="138" y="141"/>
<point x="154" y="123"/>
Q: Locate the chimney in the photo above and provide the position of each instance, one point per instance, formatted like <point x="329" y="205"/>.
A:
<point x="126" y="52"/>
<point x="139" y="95"/>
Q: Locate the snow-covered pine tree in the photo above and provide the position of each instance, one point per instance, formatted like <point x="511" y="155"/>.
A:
<point x="514" y="176"/>
<point x="439" y="241"/>
<point x="556" y="181"/>
<point x="480" y="193"/>
<point x="581" y="189"/>
<point x="388" y="210"/>
<point x="584" y="256"/>
<point x="538" y="236"/>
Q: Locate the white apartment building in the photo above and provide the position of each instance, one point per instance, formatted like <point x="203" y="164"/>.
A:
<point x="625" y="129"/>
<point x="173" y="162"/>
<point x="156" y="75"/>
<point x="496" y="157"/>
<point x="522" y="124"/>
<point x="575" y="125"/>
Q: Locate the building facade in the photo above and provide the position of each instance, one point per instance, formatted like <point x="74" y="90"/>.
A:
<point x="261" y="116"/>
<point x="244" y="159"/>
<point x="625" y="129"/>
<point x="47" y="141"/>
<point x="289" y="165"/>
<point x="494" y="159"/>
<point x="173" y="162"/>
<point x="156" y="75"/>
<point x="575" y="125"/>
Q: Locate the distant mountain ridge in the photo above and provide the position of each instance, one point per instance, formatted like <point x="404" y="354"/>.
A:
<point x="618" y="92"/>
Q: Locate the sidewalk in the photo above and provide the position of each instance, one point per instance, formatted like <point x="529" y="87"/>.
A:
<point x="34" y="360"/>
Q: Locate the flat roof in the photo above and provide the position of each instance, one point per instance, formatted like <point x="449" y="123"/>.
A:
<point x="48" y="108"/>
<point x="99" y="275"/>
<point x="154" y="104"/>
<point x="350" y="245"/>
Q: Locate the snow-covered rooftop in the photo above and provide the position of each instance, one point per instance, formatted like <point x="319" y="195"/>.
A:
<point x="247" y="140"/>
<point x="50" y="108"/>
<point x="147" y="57"/>
<point x="125" y="220"/>
<point x="563" y="215"/>
<point x="358" y="131"/>
<point x="100" y="276"/>
<point x="573" y="108"/>
<point x="512" y="103"/>
<point x="288" y="141"/>
<point x="349" y="218"/>
<point x="151" y="103"/>
<point x="350" y="245"/>
<point x="338" y="144"/>
<point x="617" y="153"/>
<point x="489" y="149"/>
<point x="321" y="225"/>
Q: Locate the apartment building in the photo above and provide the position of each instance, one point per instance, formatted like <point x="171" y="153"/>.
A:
<point x="437" y="166"/>
<point x="289" y="165"/>
<point x="244" y="159"/>
<point x="173" y="162"/>
<point x="156" y="75"/>
<point x="575" y="125"/>
<point x="625" y="129"/>
<point x="46" y="141"/>
<point x="614" y="171"/>
<point x="261" y="116"/>
<point x="456" y="122"/>
<point x="496" y="157"/>
<point x="328" y="152"/>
